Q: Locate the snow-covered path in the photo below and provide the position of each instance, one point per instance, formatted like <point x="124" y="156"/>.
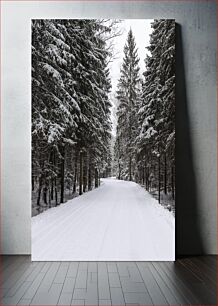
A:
<point x="117" y="221"/>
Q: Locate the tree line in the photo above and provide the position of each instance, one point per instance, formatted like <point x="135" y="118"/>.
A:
<point x="70" y="107"/>
<point x="144" y="149"/>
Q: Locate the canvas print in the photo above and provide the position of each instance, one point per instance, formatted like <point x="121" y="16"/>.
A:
<point x="103" y="139"/>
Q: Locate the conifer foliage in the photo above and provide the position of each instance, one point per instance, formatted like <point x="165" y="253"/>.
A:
<point x="145" y="141"/>
<point x="128" y="95"/>
<point x="70" y="108"/>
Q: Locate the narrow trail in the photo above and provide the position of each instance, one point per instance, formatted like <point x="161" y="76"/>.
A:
<point x="117" y="221"/>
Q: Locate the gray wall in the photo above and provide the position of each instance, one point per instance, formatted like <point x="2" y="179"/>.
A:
<point x="196" y="113"/>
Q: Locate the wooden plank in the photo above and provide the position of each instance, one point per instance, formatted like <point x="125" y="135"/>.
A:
<point x="24" y="302"/>
<point x="61" y="273"/>
<point x="129" y="286"/>
<point x="201" y="290"/>
<point x="114" y="280"/>
<point x="6" y="261"/>
<point x="81" y="279"/>
<point x="13" y="275"/>
<point x="209" y="261"/>
<point x="83" y="266"/>
<point x="117" y="297"/>
<point x="103" y="282"/>
<point x="122" y="269"/>
<point x="134" y="273"/>
<point x="104" y="302"/>
<point x="25" y="277"/>
<point x="38" y="268"/>
<point x="188" y="281"/>
<point x="46" y="267"/>
<point x="48" y="298"/>
<point x="209" y="275"/>
<point x="73" y="268"/>
<point x="141" y="298"/>
<point x="31" y="291"/>
<point x="91" y="294"/>
<point x="4" y="291"/>
<point x="154" y="290"/>
<point x="78" y="302"/>
<point x="112" y="267"/>
<point x="15" y="263"/>
<point x="79" y="294"/>
<point x="18" y="295"/>
<point x="49" y="277"/>
<point x="65" y="298"/>
<point x="69" y="285"/>
<point x="181" y="290"/>
<point x="167" y="290"/>
<point x="186" y="272"/>
<point x="92" y="267"/>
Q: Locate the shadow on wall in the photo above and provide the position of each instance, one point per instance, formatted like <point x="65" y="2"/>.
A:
<point x="188" y="233"/>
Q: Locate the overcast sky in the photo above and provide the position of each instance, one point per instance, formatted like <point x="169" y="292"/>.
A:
<point x="141" y="29"/>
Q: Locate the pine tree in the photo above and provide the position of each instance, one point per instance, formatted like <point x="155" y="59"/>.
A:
<point x="156" y="136"/>
<point x="128" y="96"/>
<point x="54" y="107"/>
<point x="70" y="106"/>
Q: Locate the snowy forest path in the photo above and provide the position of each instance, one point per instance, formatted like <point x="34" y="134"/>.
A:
<point x="117" y="221"/>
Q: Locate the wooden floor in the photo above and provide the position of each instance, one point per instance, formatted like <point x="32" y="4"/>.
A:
<point x="188" y="281"/>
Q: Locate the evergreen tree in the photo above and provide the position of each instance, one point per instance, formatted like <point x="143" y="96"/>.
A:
<point x="128" y="97"/>
<point x="55" y="109"/>
<point x="156" y="136"/>
<point x="70" y="106"/>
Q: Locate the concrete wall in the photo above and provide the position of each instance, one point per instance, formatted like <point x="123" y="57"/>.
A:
<point x="196" y="113"/>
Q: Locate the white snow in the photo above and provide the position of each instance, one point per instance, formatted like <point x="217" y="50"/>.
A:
<point x="117" y="221"/>
<point x="53" y="72"/>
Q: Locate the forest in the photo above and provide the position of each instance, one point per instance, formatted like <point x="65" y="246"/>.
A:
<point x="71" y="110"/>
<point x="145" y="138"/>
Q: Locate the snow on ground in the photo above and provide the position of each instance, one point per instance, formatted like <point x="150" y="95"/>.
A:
<point x="117" y="221"/>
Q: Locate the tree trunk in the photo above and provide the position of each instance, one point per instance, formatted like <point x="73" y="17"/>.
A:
<point x="143" y="176"/>
<point x="138" y="176"/>
<point x="172" y="183"/>
<point x="49" y="197"/>
<point x="45" y="189"/>
<point x="54" y="184"/>
<point x="75" y="172"/>
<point x="89" y="178"/>
<point x="130" y="168"/>
<point x="62" y="174"/>
<point x="96" y="178"/>
<point x="80" y="173"/>
<point x="119" y="171"/>
<point x="33" y="181"/>
<point x="52" y="190"/>
<point x="39" y="191"/>
<point x="165" y="174"/>
<point x="147" y="179"/>
<point x="99" y="178"/>
<point x="85" y="173"/>
<point x="56" y="192"/>
<point x="53" y="179"/>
